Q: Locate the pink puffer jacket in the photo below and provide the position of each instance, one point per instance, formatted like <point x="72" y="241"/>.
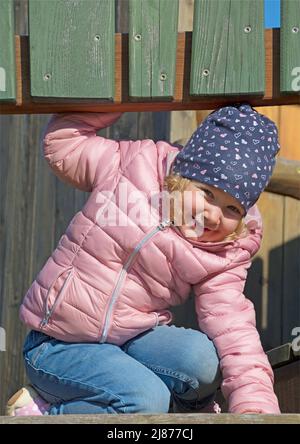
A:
<point x="108" y="283"/>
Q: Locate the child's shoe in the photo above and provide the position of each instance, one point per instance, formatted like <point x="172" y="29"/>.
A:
<point x="212" y="407"/>
<point x="26" y="402"/>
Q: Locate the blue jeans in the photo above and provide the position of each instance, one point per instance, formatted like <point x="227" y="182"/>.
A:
<point x="144" y="375"/>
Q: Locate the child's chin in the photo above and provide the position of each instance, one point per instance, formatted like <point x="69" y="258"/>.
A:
<point x="206" y="236"/>
<point x="194" y="234"/>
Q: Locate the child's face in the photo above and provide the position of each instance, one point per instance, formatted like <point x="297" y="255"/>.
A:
<point x="221" y="213"/>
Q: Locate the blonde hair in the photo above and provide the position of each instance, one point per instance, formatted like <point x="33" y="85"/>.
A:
<point x="175" y="182"/>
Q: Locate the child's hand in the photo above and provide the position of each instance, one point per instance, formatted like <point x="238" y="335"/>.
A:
<point x="107" y="119"/>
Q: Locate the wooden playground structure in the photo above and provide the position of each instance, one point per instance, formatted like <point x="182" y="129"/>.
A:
<point x="65" y="65"/>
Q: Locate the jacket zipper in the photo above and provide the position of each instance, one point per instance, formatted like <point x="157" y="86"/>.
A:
<point x="162" y="226"/>
<point x="49" y="311"/>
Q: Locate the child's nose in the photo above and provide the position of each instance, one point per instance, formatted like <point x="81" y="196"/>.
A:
<point x="212" y="217"/>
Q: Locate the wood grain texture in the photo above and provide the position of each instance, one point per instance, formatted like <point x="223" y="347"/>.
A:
<point x="290" y="46"/>
<point x="72" y="53"/>
<point x="153" y="28"/>
<point x="228" y="42"/>
<point x="175" y="418"/>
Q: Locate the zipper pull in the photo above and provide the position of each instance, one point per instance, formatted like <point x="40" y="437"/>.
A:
<point x="164" y="224"/>
<point x="45" y="320"/>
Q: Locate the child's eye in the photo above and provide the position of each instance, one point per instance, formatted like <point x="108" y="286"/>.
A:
<point x="209" y="193"/>
<point x="234" y="209"/>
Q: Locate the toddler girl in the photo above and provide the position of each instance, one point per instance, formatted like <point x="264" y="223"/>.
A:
<point x="99" y="308"/>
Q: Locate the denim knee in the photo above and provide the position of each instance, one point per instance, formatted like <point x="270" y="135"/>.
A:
<point x="149" y="397"/>
<point x="202" y="363"/>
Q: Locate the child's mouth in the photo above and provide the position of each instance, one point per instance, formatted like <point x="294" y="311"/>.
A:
<point x="205" y="230"/>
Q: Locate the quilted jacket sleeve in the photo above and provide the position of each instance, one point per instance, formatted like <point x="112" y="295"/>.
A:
<point x="75" y="153"/>
<point x="228" y="318"/>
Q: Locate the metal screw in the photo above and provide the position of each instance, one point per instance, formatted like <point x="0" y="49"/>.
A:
<point x="47" y="76"/>
<point x="137" y="37"/>
<point x="163" y="76"/>
<point x="97" y="38"/>
<point x="205" y="72"/>
<point x="295" y="29"/>
<point x="247" y="29"/>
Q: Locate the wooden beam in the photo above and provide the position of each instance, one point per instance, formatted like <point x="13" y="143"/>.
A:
<point x="167" y="418"/>
<point x="286" y="178"/>
<point x="25" y="104"/>
<point x="280" y="355"/>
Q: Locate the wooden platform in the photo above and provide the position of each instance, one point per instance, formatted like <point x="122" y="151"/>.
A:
<point x="169" y="418"/>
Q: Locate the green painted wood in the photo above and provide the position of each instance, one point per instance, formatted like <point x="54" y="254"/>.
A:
<point x="7" y="52"/>
<point x="153" y="28"/>
<point x="228" y="51"/>
<point x="290" y="46"/>
<point x="72" y="55"/>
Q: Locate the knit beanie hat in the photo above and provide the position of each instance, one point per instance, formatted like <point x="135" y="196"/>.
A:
<point x="233" y="149"/>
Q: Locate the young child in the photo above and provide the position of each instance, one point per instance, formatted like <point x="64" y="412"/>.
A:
<point x="99" y="308"/>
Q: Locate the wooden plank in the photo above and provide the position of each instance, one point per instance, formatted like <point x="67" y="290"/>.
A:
<point x="171" y="418"/>
<point x="280" y="355"/>
<point x="72" y="54"/>
<point x="25" y="233"/>
<point x="291" y="269"/>
<point x="228" y="42"/>
<point x="287" y="381"/>
<point x="290" y="46"/>
<point x="7" y="52"/>
<point x="182" y="100"/>
<point x="153" y="28"/>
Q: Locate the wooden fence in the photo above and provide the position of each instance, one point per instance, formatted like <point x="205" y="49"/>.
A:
<point x="73" y="59"/>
